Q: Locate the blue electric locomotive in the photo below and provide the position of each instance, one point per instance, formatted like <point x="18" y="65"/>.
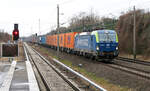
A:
<point x="100" y="43"/>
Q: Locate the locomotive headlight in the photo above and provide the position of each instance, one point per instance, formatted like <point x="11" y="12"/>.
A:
<point x="97" y="48"/>
<point x="116" y="48"/>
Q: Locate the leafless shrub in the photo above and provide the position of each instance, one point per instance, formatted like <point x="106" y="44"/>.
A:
<point x="125" y="31"/>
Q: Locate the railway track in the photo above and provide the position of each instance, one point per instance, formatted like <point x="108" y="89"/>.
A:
<point x="65" y="84"/>
<point x="51" y="77"/>
<point x="133" y="61"/>
<point x="131" y="70"/>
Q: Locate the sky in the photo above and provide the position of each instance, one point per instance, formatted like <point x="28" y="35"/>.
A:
<point x="29" y="13"/>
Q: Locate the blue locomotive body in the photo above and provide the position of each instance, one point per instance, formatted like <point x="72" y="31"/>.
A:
<point x="85" y="43"/>
<point x="42" y="39"/>
<point x="100" y="43"/>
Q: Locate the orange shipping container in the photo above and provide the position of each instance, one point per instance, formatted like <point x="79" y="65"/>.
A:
<point x="55" y="40"/>
<point x="49" y="40"/>
<point x="62" y="40"/>
<point x="69" y="39"/>
<point x="52" y="40"/>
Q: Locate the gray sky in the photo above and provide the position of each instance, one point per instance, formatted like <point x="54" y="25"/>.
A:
<point x="28" y="12"/>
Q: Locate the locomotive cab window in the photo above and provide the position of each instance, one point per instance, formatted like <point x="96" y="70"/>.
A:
<point x="107" y="37"/>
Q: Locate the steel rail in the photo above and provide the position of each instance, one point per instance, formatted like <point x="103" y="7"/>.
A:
<point x="28" y="57"/>
<point x="134" y="71"/>
<point x="133" y="61"/>
<point x="131" y="70"/>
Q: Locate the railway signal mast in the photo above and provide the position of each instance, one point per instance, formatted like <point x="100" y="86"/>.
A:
<point x="15" y="33"/>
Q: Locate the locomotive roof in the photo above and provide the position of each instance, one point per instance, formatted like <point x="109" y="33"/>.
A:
<point x="85" y="33"/>
<point x="106" y="31"/>
<point x="103" y="32"/>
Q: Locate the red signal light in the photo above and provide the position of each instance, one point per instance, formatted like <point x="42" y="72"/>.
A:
<point x="15" y="33"/>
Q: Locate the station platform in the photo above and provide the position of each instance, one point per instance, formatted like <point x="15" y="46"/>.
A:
<point x="17" y="76"/>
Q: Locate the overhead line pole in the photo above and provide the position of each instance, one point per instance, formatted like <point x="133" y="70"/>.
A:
<point x="134" y="35"/>
<point x="39" y="27"/>
<point x="39" y="32"/>
<point x="58" y="30"/>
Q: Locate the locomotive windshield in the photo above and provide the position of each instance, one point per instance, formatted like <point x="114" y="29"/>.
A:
<point x="107" y="37"/>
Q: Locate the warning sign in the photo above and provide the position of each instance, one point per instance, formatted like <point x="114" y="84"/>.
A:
<point x="9" y="50"/>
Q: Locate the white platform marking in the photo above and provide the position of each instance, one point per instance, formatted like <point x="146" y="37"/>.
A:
<point x="33" y="86"/>
<point x="7" y="82"/>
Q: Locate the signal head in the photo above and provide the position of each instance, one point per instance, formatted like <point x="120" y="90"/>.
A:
<point x="15" y="32"/>
<point x="15" y="35"/>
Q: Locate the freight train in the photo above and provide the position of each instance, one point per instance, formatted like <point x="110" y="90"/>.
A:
<point x="99" y="44"/>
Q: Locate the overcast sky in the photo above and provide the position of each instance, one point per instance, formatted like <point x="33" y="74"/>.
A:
<point x="28" y="12"/>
